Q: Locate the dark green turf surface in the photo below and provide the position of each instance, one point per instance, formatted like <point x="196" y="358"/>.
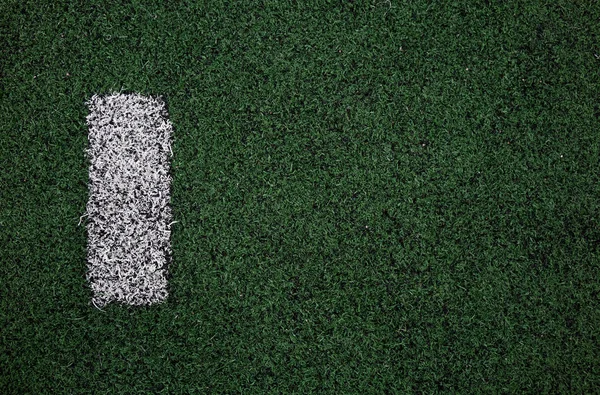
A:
<point x="371" y="196"/>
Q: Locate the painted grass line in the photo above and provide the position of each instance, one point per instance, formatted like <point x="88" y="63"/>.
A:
<point x="129" y="216"/>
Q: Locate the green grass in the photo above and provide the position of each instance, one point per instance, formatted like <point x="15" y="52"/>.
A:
<point x="371" y="196"/>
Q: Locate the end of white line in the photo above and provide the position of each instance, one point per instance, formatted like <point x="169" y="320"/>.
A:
<point x="129" y="199"/>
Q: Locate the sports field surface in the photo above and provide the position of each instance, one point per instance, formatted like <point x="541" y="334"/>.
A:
<point x="369" y="196"/>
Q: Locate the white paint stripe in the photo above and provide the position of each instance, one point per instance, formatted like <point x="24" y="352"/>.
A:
<point x="129" y="216"/>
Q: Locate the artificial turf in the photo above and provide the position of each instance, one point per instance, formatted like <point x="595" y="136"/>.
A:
<point x="371" y="196"/>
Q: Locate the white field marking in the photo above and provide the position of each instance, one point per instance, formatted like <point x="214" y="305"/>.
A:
<point x="129" y="216"/>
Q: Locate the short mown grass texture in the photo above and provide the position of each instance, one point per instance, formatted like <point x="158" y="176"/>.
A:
<point x="371" y="196"/>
